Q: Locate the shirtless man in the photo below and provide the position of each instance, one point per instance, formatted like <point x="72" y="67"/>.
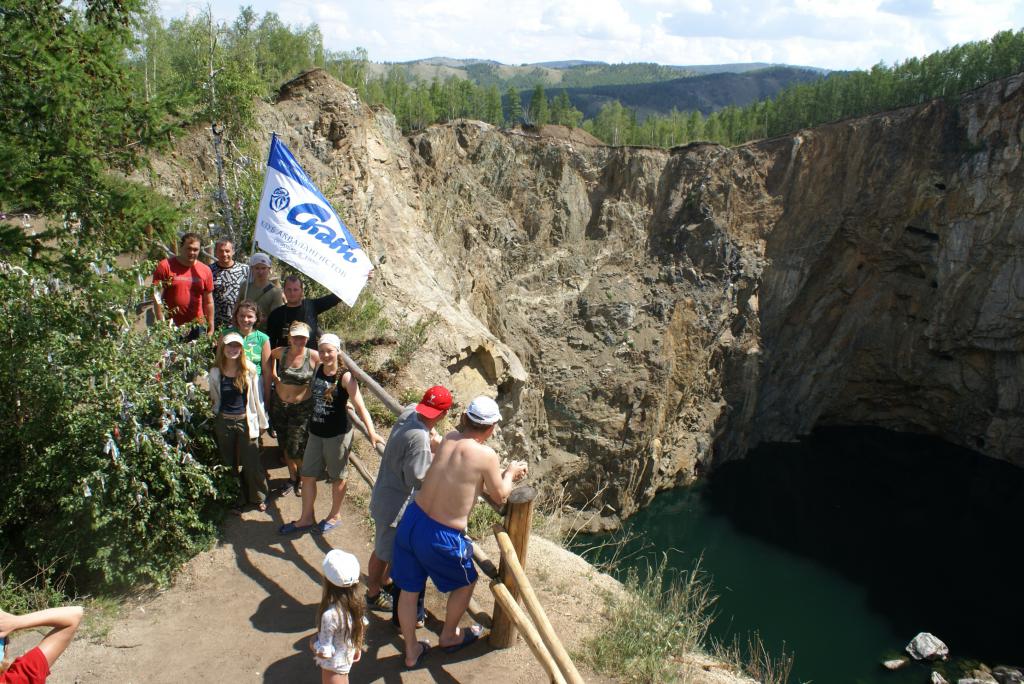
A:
<point x="431" y="537"/>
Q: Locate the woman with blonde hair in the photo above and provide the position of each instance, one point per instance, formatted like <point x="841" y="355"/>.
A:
<point x="239" y="419"/>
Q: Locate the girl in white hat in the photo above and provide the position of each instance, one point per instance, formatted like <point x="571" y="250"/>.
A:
<point x="342" y="620"/>
<point x="329" y="438"/>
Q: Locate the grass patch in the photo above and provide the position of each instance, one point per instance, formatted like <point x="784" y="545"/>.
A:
<point x="753" y="659"/>
<point x="39" y="591"/>
<point x="381" y="414"/>
<point x="361" y="323"/>
<point x="651" y="627"/>
<point x="410" y="340"/>
<point x="361" y="503"/>
<point x="481" y="520"/>
<point x="42" y="591"/>
<point x="100" y="614"/>
<point x="410" y="395"/>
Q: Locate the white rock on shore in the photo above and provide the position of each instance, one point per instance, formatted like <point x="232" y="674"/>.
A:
<point x="927" y="646"/>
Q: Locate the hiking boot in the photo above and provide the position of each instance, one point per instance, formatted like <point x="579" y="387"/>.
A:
<point x="382" y="601"/>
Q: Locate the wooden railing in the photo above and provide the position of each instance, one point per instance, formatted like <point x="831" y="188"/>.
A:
<point x="509" y="582"/>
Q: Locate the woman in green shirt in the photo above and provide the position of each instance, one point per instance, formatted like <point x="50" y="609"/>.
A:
<point x="255" y="343"/>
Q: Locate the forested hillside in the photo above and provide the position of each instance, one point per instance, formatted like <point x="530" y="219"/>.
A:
<point x="643" y="104"/>
<point x="946" y="73"/>
<point x="705" y="94"/>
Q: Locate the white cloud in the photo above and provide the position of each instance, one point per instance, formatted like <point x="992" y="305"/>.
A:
<point x="836" y="34"/>
<point x="592" y="19"/>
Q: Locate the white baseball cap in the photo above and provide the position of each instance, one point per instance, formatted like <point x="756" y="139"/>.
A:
<point x="259" y="259"/>
<point x="341" y="568"/>
<point x="331" y="339"/>
<point x="483" y="411"/>
<point x="232" y="337"/>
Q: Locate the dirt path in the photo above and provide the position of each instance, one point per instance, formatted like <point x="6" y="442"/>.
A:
<point x="242" y="611"/>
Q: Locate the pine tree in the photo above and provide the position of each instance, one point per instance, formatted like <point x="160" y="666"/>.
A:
<point x="538" y="109"/>
<point x="515" y="107"/>
<point x="493" y="112"/>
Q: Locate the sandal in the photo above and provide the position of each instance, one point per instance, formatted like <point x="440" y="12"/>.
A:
<point x="292" y="528"/>
<point x="419" y="659"/>
<point x="469" y="635"/>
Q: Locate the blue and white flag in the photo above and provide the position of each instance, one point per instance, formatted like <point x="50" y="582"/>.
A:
<point x="297" y="224"/>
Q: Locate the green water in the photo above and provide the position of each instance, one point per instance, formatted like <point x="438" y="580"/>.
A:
<point x="841" y="548"/>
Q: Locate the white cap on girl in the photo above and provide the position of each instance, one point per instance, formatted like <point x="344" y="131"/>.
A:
<point x="331" y="339"/>
<point x="340" y="568"/>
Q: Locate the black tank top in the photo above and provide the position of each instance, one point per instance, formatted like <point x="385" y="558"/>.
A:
<point x="330" y="417"/>
<point x="232" y="401"/>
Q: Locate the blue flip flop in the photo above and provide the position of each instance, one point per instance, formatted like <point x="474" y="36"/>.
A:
<point x="292" y="528"/>
<point x="325" y="526"/>
<point x="469" y="635"/>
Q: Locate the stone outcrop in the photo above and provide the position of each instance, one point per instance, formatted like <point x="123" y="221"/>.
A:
<point x="642" y="314"/>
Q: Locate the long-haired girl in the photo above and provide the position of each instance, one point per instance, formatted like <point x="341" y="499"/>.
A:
<point x="341" y="618"/>
<point x="239" y="419"/>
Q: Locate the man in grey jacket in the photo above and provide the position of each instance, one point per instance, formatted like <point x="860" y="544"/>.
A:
<point x="406" y="459"/>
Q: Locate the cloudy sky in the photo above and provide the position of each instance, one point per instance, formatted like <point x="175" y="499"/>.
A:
<point x="835" y="34"/>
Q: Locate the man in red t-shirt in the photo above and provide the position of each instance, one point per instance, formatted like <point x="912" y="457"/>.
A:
<point x="34" y="666"/>
<point x="187" y="287"/>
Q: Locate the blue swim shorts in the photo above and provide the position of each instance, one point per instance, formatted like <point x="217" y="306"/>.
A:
<point x="425" y="547"/>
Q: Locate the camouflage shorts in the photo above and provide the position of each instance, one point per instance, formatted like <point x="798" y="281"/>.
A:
<point x="291" y="421"/>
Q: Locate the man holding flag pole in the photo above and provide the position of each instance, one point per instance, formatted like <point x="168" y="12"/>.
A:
<point x="297" y="224"/>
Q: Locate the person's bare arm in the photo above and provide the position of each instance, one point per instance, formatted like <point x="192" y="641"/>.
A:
<point x="356" y="397"/>
<point x="275" y="356"/>
<point x="64" y="621"/>
<point x="208" y="310"/>
<point x="158" y="299"/>
<point x="264" y="358"/>
<point x="499" y="486"/>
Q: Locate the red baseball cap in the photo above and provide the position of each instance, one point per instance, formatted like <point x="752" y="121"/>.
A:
<point x="435" y="401"/>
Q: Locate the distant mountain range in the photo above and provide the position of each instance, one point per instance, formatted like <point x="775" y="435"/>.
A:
<point x="646" y="87"/>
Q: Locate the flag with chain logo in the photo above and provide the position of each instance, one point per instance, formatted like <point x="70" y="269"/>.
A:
<point x="297" y="224"/>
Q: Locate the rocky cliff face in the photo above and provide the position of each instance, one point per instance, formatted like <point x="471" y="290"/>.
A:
<point x="642" y="314"/>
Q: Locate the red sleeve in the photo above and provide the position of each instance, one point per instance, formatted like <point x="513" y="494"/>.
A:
<point x="207" y="275"/>
<point x="30" y="668"/>
<point x="162" y="273"/>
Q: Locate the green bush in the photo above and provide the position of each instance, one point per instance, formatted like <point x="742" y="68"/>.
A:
<point x="481" y="520"/>
<point x="109" y="463"/>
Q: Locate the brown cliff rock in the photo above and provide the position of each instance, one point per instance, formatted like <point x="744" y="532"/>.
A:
<point x="641" y="314"/>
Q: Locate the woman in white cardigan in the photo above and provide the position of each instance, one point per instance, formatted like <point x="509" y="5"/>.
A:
<point x="239" y="419"/>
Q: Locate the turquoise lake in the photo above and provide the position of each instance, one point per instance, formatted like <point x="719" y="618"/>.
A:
<point x="842" y="547"/>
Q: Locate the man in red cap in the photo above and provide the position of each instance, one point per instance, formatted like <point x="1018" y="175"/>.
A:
<point x="407" y="456"/>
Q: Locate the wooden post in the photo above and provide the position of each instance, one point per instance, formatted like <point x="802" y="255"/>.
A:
<point x="518" y="519"/>
<point x="508" y="604"/>
<point x="536" y="611"/>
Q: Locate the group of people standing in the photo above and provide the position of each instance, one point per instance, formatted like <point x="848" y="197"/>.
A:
<point x="275" y="366"/>
<point x="272" y="367"/>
